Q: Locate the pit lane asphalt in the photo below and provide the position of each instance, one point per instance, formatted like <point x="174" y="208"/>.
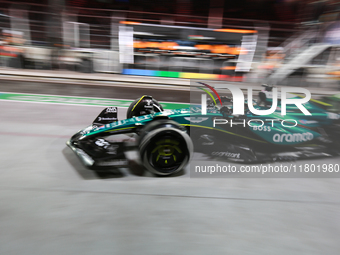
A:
<point x="51" y="204"/>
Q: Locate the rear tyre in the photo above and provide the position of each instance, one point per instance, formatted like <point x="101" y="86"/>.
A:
<point x="165" y="147"/>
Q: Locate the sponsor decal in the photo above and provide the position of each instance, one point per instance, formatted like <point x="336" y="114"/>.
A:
<point x="308" y="121"/>
<point x="87" y="130"/>
<point x="293" y="138"/>
<point x="196" y="119"/>
<point x="111" y="148"/>
<point x="102" y="143"/>
<point x="84" y="132"/>
<point x="128" y="121"/>
<point x="195" y="109"/>
<point x="225" y="154"/>
<point x="111" y="109"/>
<point x="148" y="104"/>
<point x="101" y="118"/>
<point x="262" y="128"/>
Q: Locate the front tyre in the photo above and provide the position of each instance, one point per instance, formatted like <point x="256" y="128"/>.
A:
<point x="165" y="147"/>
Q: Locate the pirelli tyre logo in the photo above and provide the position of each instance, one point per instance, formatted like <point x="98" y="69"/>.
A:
<point x="293" y="138"/>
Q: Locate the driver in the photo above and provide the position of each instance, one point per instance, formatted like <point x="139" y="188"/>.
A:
<point x="143" y="106"/>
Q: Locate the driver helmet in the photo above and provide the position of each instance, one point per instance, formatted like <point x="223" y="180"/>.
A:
<point x="145" y="105"/>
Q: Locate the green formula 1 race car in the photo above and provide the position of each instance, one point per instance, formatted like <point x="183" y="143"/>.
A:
<point x="165" y="139"/>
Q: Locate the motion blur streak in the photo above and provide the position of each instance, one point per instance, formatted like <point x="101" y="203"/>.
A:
<point x="107" y="49"/>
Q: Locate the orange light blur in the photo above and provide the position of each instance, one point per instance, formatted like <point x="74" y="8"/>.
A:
<point x="11" y="48"/>
<point x="337" y="73"/>
<point x="228" y="68"/>
<point x="220" y="49"/>
<point x="129" y="22"/>
<point x="138" y="44"/>
<point x="217" y="49"/>
<point x="240" y="31"/>
<point x="152" y="44"/>
<point x="237" y="51"/>
<point x="167" y="45"/>
<point x="159" y="45"/>
<point x="203" y="47"/>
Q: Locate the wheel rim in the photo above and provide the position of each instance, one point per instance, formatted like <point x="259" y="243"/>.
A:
<point x="166" y="154"/>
